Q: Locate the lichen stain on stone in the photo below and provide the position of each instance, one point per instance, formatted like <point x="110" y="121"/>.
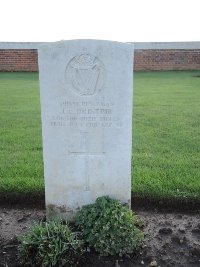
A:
<point x="129" y="203"/>
<point x="62" y="209"/>
<point x="60" y="212"/>
<point x="52" y="207"/>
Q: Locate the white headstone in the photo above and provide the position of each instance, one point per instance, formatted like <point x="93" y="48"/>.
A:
<point x="86" y="89"/>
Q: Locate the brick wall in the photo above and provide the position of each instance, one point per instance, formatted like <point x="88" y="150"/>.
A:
<point x="18" y="60"/>
<point x="167" y="59"/>
<point x="145" y="59"/>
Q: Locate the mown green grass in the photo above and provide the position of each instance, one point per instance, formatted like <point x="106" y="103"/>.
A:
<point x="166" y="136"/>
<point x="21" y="166"/>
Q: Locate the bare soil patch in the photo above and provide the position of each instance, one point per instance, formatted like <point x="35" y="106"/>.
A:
<point x="171" y="239"/>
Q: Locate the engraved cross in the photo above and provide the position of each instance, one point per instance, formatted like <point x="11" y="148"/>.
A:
<point x="86" y="154"/>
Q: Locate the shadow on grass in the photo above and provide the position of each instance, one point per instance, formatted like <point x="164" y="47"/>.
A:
<point x="37" y="201"/>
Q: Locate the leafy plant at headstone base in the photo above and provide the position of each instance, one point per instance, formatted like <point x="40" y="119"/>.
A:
<point x="110" y="227"/>
<point x="50" y="244"/>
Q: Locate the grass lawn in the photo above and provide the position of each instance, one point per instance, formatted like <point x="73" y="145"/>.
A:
<point x="166" y="136"/>
<point x="21" y="166"/>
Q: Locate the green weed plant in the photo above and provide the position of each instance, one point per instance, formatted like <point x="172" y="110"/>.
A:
<point x="50" y="244"/>
<point x="109" y="227"/>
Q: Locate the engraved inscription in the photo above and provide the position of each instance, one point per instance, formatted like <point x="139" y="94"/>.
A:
<point x="86" y="114"/>
<point x="85" y="74"/>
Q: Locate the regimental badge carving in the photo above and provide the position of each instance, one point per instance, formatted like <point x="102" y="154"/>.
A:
<point x="86" y="74"/>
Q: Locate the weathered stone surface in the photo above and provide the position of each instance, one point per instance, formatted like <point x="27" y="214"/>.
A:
<point x="86" y="102"/>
